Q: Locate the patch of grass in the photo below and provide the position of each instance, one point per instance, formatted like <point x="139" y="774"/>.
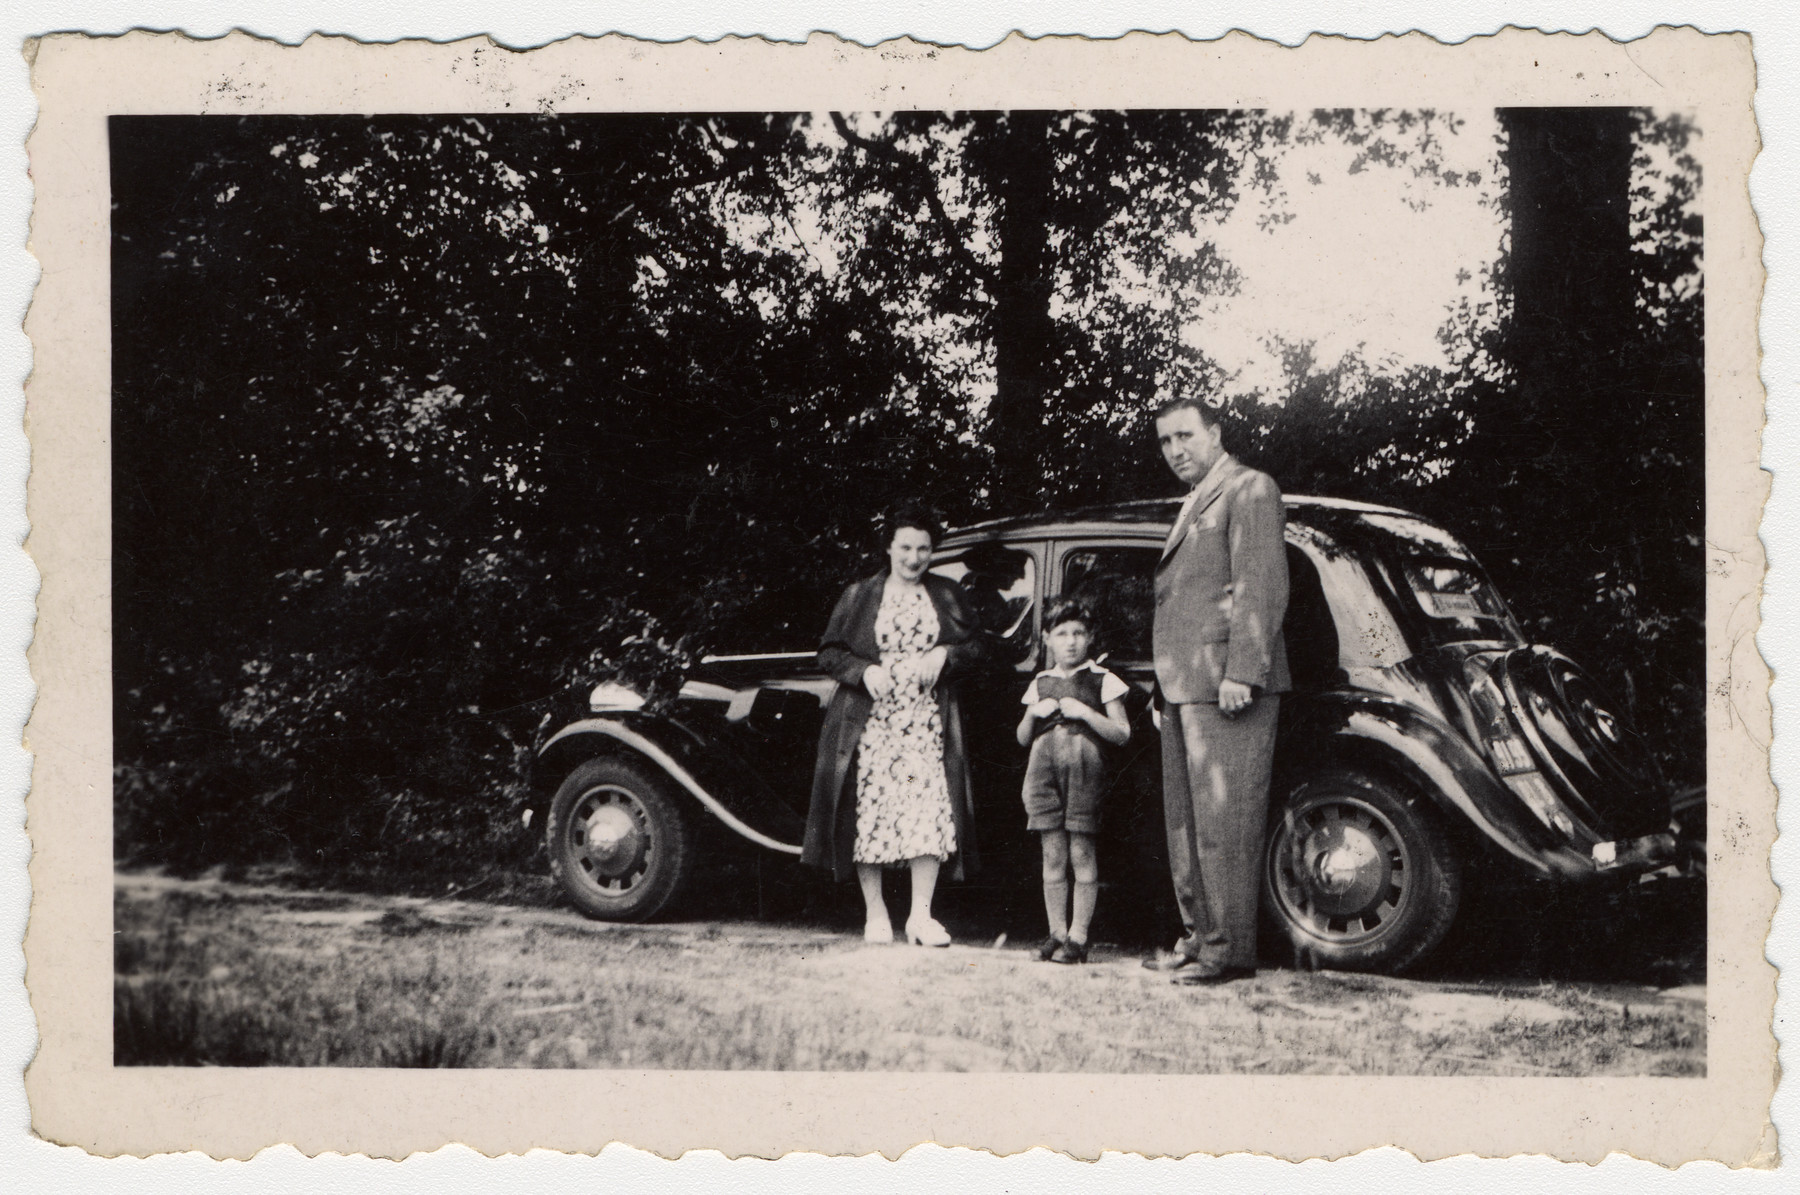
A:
<point x="163" y="1021"/>
<point x="233" y="982"/>
<point x="406" y="922"/>
<point x="1593" y="1038"/>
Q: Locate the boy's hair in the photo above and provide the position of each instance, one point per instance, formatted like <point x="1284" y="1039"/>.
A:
<point x="1063" y="610"/>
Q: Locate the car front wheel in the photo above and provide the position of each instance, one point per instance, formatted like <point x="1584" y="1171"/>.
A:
<point x="620" y="844"/>
<point x="1359" y="873"/>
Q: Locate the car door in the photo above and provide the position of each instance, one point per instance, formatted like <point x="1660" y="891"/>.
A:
<point x="1114" y="579"/>
<point x="1003" y="583"/>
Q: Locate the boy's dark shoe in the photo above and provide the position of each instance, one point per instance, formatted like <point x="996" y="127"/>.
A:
<point x="1199" y="976"/>
<point x="1070" y="951"/>
<point x="1170" y="960"/>
<point x="1048" y="947"/>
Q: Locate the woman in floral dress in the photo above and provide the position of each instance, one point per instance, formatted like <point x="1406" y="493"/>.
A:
<point x="891" y="784"/>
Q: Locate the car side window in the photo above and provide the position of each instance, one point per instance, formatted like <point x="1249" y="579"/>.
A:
<point x="1310" y="630"/>
<point x="1001" y="585"/>
<point x="1117" y="585"/>
<point x="1367" y="634"/>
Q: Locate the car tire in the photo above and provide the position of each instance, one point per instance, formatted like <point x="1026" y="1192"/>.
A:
<point x="1358" y="873"/>
<point x="620" y="843"/>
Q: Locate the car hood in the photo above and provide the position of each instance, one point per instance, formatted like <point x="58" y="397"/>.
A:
<point x="1584" y="743"/>
<point x="746" y="670"/>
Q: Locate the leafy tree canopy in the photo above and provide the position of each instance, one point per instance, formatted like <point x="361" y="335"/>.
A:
<point x="421" y="423"/>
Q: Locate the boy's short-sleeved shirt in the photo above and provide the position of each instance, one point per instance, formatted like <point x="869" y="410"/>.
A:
<point x="1088" y="683"/>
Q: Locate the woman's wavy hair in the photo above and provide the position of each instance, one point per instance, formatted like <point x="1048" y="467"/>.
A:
<point x="909" y="513"/>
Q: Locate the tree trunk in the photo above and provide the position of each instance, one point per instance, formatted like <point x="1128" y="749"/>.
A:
<point x="1570" y="268"/>
<point x="1547" y="440"/>
<point x="1557" y="479"/>
<point x="1022" y="327"/>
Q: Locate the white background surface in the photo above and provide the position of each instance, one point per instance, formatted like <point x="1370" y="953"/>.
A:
<point x="30" y="1165"/>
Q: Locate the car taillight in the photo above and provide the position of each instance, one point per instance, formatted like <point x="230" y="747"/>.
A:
<point x="1511" y="756"/>
<point x="1535" y="791"/>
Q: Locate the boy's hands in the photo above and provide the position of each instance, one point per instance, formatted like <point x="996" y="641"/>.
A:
<point x="1110" y="724"/>
<point x="1073" y="707"/>
<point x="1069" y="707"/>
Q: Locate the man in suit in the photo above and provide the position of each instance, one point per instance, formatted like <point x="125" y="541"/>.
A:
<point x="1221" y="665"/>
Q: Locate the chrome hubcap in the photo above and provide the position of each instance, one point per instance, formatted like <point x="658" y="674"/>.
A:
<point x="610" y="838"/>
<point x="1343" y="866"/>
<point x="1339" y="870"/>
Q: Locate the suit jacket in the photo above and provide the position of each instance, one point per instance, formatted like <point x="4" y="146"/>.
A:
<point x="847" y="649"/>
<point x="1222" y="589"/>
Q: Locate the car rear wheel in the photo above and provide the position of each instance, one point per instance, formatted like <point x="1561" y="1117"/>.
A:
<point x="1359" y="874"/>
<point x="620" y="843"/>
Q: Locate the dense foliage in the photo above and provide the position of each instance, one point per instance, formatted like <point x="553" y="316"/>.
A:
<point x="422" y="424"/>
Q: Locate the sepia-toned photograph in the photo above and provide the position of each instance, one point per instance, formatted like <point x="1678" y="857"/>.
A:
<point x="1125" y="591"/>
<point x="809" y="598"/>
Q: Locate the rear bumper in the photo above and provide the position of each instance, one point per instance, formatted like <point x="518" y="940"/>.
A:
<point x="1634" y="856"/>
<point x="1622" y="861"/>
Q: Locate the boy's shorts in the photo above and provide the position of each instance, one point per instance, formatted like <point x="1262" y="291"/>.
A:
<point x="1063" y="780"/>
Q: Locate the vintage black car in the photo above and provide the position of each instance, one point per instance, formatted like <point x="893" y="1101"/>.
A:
<point x="1426" y="745"/>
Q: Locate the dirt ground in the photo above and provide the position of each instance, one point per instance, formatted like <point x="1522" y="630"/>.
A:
<point x="217" y="973"/>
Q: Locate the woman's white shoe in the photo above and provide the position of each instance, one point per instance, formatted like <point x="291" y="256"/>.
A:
<point x="926" y="932"/>
<point x="878" y="933"/>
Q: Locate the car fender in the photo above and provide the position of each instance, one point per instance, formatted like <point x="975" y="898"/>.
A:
<point x="736" y="800"/>
<point x="1443" y="765"/>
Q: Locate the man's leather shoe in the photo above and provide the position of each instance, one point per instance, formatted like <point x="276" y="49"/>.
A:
<point x="1197" y="976"/>
<point x="1170" y="960"/>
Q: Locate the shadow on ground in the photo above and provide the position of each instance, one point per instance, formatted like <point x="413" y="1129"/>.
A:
<point x="1651" y="933"/>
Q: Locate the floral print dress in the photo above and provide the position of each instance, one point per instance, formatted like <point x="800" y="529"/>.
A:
<point x="902" y="794"/>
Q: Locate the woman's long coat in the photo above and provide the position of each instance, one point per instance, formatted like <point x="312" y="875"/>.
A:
<point x="849" y="647"/>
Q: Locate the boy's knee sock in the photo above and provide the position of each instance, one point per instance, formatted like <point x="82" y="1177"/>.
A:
<point x="1087" y="894"/>
<point x="1056" y="907"/>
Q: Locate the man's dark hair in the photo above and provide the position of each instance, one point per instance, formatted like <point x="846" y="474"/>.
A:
<point x="910" y="513"/>
<point x="1209" y="414"/>
<point x="1063" y="610"/>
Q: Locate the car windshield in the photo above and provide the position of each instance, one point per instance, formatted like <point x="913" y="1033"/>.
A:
<point x="1459" y="602"/>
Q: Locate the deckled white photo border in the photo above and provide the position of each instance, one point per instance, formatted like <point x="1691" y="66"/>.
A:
<point x="1254" y="88"/>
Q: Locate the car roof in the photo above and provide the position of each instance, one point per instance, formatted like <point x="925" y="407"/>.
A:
<point x="1150" y="515"/>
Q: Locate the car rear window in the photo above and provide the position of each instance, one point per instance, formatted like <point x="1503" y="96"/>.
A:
<point x="1459" y="600"/>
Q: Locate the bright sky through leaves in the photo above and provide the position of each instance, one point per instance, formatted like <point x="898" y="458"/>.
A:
<point x="1372" y="259"/>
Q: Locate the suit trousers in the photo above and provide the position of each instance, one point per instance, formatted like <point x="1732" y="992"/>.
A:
<point x="1216" y="806"/>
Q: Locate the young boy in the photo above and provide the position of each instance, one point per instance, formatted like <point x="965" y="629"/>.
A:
<point x="1070" y="710"/>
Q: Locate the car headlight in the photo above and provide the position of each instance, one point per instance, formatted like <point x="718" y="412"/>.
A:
<point x="611" y="695"/>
